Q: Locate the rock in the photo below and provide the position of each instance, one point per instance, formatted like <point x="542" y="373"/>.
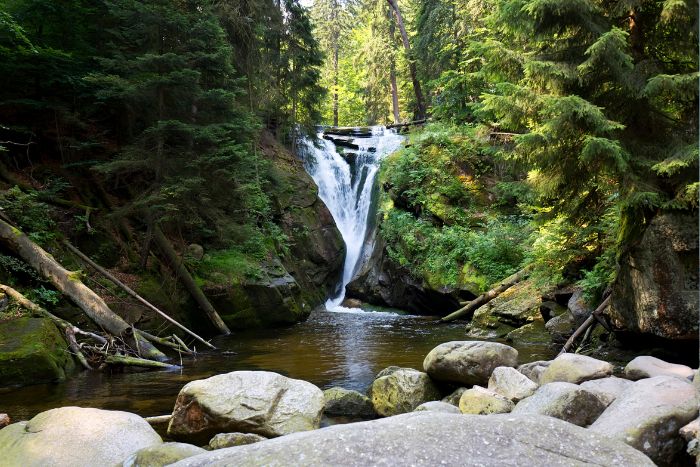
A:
<point x="607" y="389"/>
<point x="574" y="368"/>
<point x="162" y="455"/>
<point x="482" y="401"/>
<point x="531" y="333"/>
<point x="348" y="403"/>
<point x="32" y="351"/>
<point x="649" y="414"/>
<point x="402" y="391"/>
<point x="352" y="303"/>
<point x="656" y="290"/>
<point x="565" y="401"/>
<point x="428" y="438"/>
<point x="691" y="430"/>
<point x="227" y="440"/>
<point x="696" y="380"/>
<point x="561" y="327"/>
<point x="512" y="384"/>
<point x="647" y="367"/>
<point x="534" y="370"/>
<point x="258" y="402"/>
<point x="195" y="251"/>
<point x="468" y="362"/>
<point x="437" y="406"/>
<point x="388" y="370"/>
<point x="578" y="307"/>
<point x="454" y="396"/>
<point x="75" y="437"/>
<point x="4" y="420"/>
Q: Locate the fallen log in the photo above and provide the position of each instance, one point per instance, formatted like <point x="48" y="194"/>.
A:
<point x="132" y="293"/>
<point x="406" y="124"/>
<point x="484" y="298"/>
<point x="586" y="324"/>
<point x="69" y="284"/>
<point x="159" y="420"/>
<point x="136" y="361"/>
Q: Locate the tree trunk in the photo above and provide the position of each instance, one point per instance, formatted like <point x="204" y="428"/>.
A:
<point x="186" y="279"/>
<point x="394" y="93"/>
<point x="335" y="85"/>
<point x="488" y="296"/>
<point x="70" y="285"/>
<point x="420" y="104"/>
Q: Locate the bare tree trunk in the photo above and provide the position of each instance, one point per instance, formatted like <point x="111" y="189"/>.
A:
<point x="69" y="284"/>
<point x="394" y="93"/>
<point x="420" y="103"/>
<point x="335" y="85"/>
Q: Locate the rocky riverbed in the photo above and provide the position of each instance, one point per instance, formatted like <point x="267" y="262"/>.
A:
<point x="473" y="403"/>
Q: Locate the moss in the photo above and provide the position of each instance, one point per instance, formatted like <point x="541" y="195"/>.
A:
<point x="225" y="267"/>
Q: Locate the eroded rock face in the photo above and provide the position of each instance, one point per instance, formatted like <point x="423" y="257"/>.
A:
<point x="437" y="406"/>
<point x="482" y="401"/>
<point x="425" y="438"/>
<point x="649" y="414"/>
<point x="656" y="290"/>
<point x="75" y="437"/>
<point x="607" y="389"/>
<point x="401" y="391"/>
<point x="258" y="402"/>
<point x="228" y="440"/>
<point x="512" y="384"/>
<point x="468" y="362"/>
<point x="348" y="403"/>
<point x="574" y="368"/>
<point x="646" y="366"/>
<point x="565" y="401"/>
<point x="162" y="455"/>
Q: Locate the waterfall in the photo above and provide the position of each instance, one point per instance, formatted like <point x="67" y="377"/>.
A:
<point x="345" y="176"/>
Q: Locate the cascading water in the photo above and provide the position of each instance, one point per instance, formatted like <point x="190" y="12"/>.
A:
<point x="345" y="180"/>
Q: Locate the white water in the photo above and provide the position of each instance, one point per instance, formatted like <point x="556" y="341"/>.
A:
<point x="347" y="191"/>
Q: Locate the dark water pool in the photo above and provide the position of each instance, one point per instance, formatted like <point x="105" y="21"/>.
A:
<point x="329" y="349"/>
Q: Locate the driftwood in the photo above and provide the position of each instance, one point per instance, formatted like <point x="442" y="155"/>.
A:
<point x="159" y="420"/>
<point x="125" y="360"/>
<point x="69" y="284"/>
<point x="484" y="298"/>
<point x="133" y="294"/>
<point x="406" y="124"/>
<point x="186" y="279"/>
<point x="175" y="344"/>
<point x="586" y="324"/>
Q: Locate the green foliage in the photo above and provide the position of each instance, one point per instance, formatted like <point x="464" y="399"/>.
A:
<point x="31" y="215"/>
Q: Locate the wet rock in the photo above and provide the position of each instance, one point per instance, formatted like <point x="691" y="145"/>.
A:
<point x="512" y="384"/>
<point x="561" y="327"/>
<point x="468" y="362"/>
<point x="482" y="401"/>
<point x="348" y="403"/>
<point x="162" y="455"/>
<point x="227" y="440"/>
<point x="574" y="368"/>
<point x="425" y="438"/>
<point x="531" y="333"/>
<point x="352" y="303"/>
<point x="258" y="402"/>
<point x="647" y="367"/>
<point x="402" y="391"/>
<point x="649" y="414"/>
<point x="607" y="389"/>
<point x="565" y="401"/>
<point x="4" y="420"/>
<point x="437" y="406"/>
<point x="454" y="396"/>
<point x="656" y="290"/>
<point x="75" y="437"/>
<point x="534" y="370"/>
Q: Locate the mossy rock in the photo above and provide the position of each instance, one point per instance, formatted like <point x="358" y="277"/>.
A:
<point x="531" y="333"/>
<point x="32" y="351"/>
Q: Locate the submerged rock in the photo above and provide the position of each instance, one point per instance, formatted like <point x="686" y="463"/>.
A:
<point x="258" y="402"/>
<point x="565" y="401"/>
<point x="401" y="391"/>
<point x="512" y="384"/>
<point x="646" y="366"/>
<point x="468" y="362"/>
<point x="481" y="401"/>
<point x="649" y="414"/>
<point x="607" y="389"/>
<point x="437" y="406"/>
<point x="227" y="440"/>
<point x="428" y="438"/>
<point x="75" y="437"/>
<point x="162" y="455"/>
<point x="348" y="403"/>
<point x="574" y="368"/>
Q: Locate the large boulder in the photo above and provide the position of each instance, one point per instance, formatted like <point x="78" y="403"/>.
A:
<point x="161" y="455"/>
<point x="428" y="438"/>
<point x="481" y="401"/>
<point x="574" y="368"/>
<point x="565" y="401"/>
<point x="656" y="291"/>
<point x="646" y="366"/>
<point x="437" y="406"/>
<point x="607" y="389"/>
<point x="401" y="391"/>
<point x="75" y="437"/>
<point x="258" y="402"/>
<point x="347" y="403"/>
<point x="649" y="414"/>
<point x="468" y="362"/>
<point x="512" y="384"/>
<point x="32" y="351"/>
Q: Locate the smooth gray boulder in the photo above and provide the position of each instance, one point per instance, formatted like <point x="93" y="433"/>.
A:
<point x="340" y="401"/>
<point x="454" y="396"/>
<point x="468" y="362"/>
<point x="481" y="401"/>
<point x="649" y="415"/>
<point x="258" y="402"/>
<point x="646" y="366"/>
<point x="162" y="455"/>
<point x="401" y="391"/>
<point x="607" y="389"/>
<point x="512" y="384"/>
<point x="437" y="406"/>
<point x="574" y="368"/>
<point x="228" y="440"/>
<point x="75" y="437"/>
<point x="430" y="438"/>
<point x="565" y="401"/>
<point x="534" y="370"/>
